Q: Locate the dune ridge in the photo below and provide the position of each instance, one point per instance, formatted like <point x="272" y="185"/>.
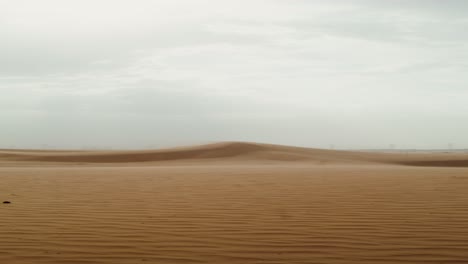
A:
<point x="241" y="152"/>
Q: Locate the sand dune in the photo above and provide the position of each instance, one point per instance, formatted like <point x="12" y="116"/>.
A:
<point x="239" y="151"/>
<point x="232" y="203"/>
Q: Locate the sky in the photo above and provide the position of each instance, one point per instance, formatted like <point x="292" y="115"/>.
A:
<point x="130" y="74"/>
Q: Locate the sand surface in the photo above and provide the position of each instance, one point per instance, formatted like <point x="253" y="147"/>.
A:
<point x="233" y="203"/>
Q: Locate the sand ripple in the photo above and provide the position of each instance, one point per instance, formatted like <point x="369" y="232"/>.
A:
<point x="234" y="214"/>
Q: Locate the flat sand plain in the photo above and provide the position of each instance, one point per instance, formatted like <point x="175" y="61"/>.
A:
<point x="233" y="203"/>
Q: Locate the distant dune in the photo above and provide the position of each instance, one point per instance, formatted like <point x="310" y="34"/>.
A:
<point x="237" y="152"/>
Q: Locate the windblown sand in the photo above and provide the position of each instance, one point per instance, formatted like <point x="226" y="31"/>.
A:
<point x="253" y="208"/>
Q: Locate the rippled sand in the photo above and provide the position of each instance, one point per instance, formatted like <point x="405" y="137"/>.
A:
<point x="233" y="203"/>
<point x="234" y="214"/>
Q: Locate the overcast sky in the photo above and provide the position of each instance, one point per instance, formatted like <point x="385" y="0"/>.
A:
<point x="140" y="74"/>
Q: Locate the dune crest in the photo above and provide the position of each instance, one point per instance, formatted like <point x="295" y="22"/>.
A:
<point x="240" y="152"/>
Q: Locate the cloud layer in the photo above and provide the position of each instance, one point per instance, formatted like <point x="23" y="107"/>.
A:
<point x="136" y="74"/>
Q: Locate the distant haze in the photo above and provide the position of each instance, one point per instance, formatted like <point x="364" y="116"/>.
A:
<point x="143" y="74"/>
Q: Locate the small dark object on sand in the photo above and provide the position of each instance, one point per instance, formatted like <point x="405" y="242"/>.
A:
<point x="6" y="202"/>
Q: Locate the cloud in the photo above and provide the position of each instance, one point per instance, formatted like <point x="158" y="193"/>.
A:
<point x="293" y="72"/>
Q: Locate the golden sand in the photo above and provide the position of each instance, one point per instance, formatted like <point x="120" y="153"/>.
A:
<point x="233" y="203"/>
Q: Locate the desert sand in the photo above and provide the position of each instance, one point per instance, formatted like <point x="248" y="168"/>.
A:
<point x="233" y="203"/>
